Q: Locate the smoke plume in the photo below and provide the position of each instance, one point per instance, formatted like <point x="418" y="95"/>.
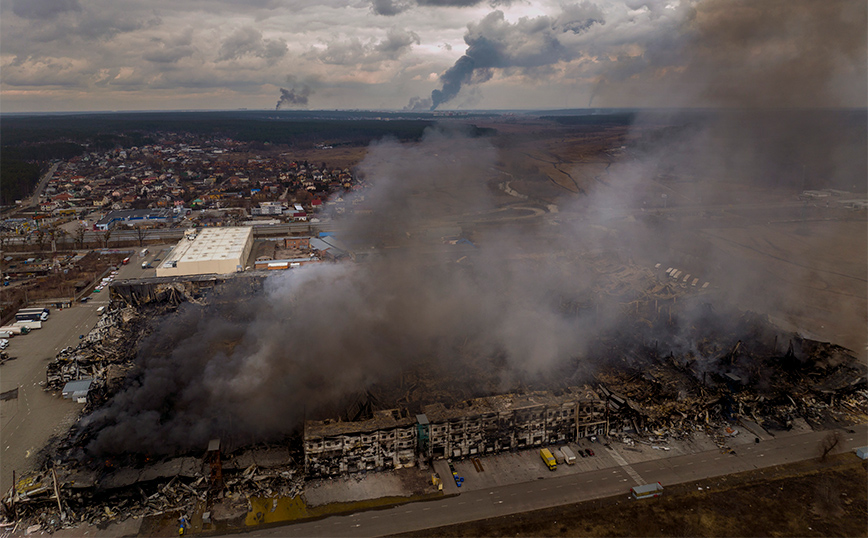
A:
<point x="258" y="363"/>
<point x="776" y="54"/>
<point x="295" y="96"/>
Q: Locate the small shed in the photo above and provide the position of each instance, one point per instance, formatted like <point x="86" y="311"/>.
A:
<point x="77" y="390"/>
<point x="862" y="452"/>
<point x="646" y="491"/>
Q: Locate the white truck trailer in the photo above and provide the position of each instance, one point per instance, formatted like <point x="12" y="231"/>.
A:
<point x="29" y="324"/>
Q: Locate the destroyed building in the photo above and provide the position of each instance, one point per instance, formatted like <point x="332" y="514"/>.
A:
<point x="393" y="439"/>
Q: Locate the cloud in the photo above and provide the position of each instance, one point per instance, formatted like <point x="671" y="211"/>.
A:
<point x="248" y="41"/>
<point x="634" y="53"/>
<point x="389" y="8"/>
<point x="354" y="52"/>
<point x="43" y="9"/>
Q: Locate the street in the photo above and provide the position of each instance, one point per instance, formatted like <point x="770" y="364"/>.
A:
<point x="560" y="490"/>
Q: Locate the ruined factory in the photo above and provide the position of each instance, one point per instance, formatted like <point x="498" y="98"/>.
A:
<point x="391" y="439"/>
<point x="739" y="372"/>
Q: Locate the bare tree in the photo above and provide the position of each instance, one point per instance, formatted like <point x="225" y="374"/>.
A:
<point x="829" y="444"/>
<point x="141" y="235"/>
<point x="106" y="235"/>
<point x="79" y="236"/>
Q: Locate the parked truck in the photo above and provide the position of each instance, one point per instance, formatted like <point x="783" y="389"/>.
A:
<point x="548" y="458"/>
<point x="29" y="324"/>
<point x="32" y="314"/>
<point x="14" y="329"/>
<point x="569" y="457"/>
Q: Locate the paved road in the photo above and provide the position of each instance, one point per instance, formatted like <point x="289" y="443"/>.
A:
<point x="26" y="423"/>
<point x="559" y="490"/>
<point x="34" y="198"/>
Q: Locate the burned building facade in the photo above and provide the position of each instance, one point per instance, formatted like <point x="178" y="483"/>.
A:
<point x="393" y="439"/>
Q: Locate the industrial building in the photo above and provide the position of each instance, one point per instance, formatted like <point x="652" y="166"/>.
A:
<point x="392" y="439"/>
<point x="213" y="250"/>
<point x="134" y="216"/>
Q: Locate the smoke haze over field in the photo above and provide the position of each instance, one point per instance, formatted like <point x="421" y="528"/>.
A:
<point x="321" y="332"/>
<point x="256" y="365"/>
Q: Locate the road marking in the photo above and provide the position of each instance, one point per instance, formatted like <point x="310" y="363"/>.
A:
<point x="715" y="459"/>
<point x="374" y="517"/>
<point x="426" y="509"/>
<point x="626" y="466"/>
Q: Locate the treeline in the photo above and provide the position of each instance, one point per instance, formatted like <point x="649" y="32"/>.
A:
<point x="107" y="131"/>
<point x="17" y="179"/>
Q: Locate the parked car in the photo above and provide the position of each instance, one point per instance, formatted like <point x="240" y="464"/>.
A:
<point x="589" y="451"/>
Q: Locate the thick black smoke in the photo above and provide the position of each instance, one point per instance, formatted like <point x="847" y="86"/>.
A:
<point x="295" y="96"/>
<point x="529" y="44"/>
<point x="774" y="53"/>
<point x="257" y="363"/>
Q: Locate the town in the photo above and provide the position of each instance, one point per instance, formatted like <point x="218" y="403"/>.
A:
<point x="316" y="334"/>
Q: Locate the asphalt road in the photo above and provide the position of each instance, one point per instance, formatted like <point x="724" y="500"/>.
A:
<point x="566" y="489"/>
<point x="27" y="423"/>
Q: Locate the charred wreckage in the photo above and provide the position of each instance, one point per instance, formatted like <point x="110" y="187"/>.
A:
<point x="644" y="388"/>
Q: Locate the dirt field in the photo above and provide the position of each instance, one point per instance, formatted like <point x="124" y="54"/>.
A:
<point x="803" y="499"/>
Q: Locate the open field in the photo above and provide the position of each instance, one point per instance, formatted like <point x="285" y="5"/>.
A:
<point x="808" y="498"/>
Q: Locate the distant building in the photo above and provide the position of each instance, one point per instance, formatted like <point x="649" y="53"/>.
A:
<point x="267" y="208"/>
<point x="214" y="250"/>
<point x="133" y="215"/>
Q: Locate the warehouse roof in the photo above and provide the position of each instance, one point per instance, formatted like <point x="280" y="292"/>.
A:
<point x="212" y="244"/>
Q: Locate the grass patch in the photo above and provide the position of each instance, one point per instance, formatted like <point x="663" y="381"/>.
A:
<point x="267" y="510"/>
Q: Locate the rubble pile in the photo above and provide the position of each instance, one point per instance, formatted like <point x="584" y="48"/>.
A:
<point x="716" y="383"/>
<point x="70" y="494"/>
<point x="104" y="355"/>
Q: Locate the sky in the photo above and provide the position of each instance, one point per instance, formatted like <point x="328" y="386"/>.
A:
<point x="79" y="55"/>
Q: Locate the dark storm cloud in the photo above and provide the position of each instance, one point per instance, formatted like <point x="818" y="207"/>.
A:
<point x="43" y="9"/>
<point x="389" y="8"/>
<point x="248" y="41"/>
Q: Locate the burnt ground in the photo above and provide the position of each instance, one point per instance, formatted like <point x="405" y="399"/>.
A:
<point x="809" y="498"/>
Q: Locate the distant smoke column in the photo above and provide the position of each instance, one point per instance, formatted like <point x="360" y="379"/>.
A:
<point x="293" y="96"/>
<point x="452" y="80"/>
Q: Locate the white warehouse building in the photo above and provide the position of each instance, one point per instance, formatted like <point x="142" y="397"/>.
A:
<point x="213" y="250"/>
